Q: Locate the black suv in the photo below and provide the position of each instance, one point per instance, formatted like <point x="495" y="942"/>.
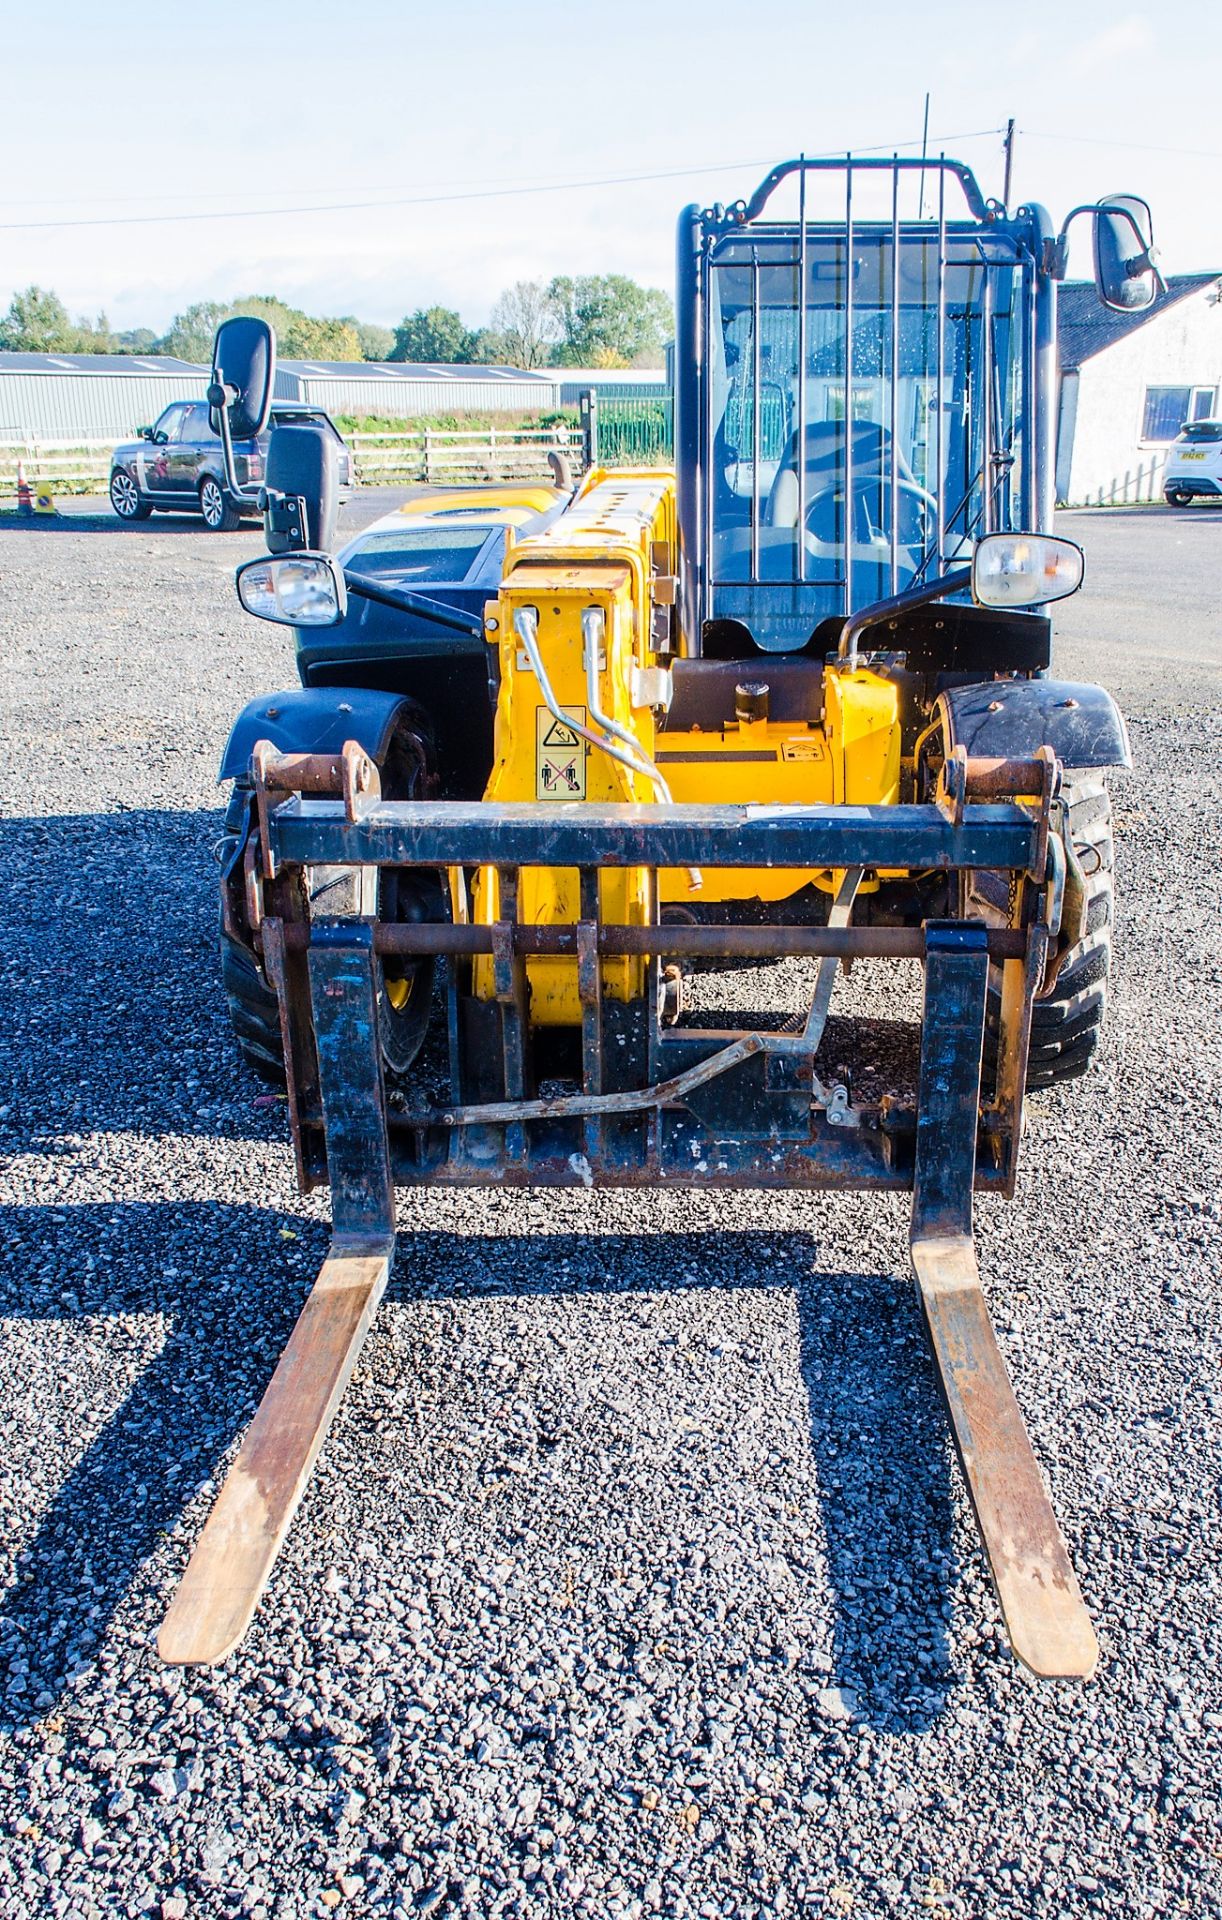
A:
<point x="177" y="466"/>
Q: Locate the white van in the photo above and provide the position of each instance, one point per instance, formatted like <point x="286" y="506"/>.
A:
<point x="1194" y="463"/>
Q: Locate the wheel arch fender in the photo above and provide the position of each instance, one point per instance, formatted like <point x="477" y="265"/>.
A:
<point x="1012" y="719"/>
<point x="316" y="720"/>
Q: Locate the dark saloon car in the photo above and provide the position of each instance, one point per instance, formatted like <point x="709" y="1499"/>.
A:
<point x="177" y="465"/>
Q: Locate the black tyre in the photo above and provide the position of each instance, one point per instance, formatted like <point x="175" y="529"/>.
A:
<point x="220" y="514"/>
<point x="125" y="497"/>
<point x="1066" y="1026"/>
<point x="1177" y="497"/>
<point x="254" y="1013"/>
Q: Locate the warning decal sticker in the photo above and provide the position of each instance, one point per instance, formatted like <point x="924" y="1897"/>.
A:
<point x="560" y="756"/>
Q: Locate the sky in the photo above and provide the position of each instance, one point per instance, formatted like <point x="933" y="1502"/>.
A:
<point x="499" y="143"/>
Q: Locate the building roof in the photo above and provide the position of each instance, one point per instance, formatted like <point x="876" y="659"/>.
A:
<point x="96" y="363"/>
<point x="1085" y="328"/>
<point x="408" y="370"/>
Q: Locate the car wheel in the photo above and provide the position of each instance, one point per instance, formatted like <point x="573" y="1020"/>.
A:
<point x="1178" y="497"/>
<point x="220" y="516"/>
<point x="125" y="497"/>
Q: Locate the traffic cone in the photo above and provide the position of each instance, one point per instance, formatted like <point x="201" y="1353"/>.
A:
<point x="25" y="500"/>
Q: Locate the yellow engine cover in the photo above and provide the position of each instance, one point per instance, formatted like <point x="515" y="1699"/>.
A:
<point x="852" y="756"/>
<point x="614" y="551"/>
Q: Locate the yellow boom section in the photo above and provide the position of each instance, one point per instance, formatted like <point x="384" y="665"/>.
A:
<point x="590" y="602"/>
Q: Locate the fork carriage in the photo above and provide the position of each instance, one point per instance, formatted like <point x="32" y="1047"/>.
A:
<point x="655" y="1104"/>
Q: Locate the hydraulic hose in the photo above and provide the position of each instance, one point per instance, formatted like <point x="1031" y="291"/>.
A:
<point x="593" y="628"/>
<point x="614" y="742"/>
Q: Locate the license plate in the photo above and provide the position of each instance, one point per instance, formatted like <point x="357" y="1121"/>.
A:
<point x="1192" y="456"/>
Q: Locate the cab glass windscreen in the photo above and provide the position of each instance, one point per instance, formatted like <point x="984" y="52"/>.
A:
<point x="859" y="393"/>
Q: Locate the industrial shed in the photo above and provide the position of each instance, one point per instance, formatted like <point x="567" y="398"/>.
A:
<point x="402" y="390"/>
<point x="76" y="397"/>
<point x="1128" y="383"/>
<point x="73" y="398"/>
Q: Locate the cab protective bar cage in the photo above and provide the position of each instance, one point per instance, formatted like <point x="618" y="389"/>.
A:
<point x="1025" y="234"/>
<point x="743" y="211"/>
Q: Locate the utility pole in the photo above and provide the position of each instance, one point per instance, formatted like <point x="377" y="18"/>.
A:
<point x="1009" y="144"/>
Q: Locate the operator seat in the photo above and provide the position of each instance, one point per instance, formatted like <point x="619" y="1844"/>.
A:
<point x="825" y="464"/>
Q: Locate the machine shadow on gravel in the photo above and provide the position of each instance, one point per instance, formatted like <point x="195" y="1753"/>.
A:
<point x="223" y="1331"/>
<point x="225" y="1284"/>
<point x="105" y="522"/>
<point x="112" y="1015"/>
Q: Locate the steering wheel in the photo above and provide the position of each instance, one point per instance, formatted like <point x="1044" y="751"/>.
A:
<point x="872" y="514"/>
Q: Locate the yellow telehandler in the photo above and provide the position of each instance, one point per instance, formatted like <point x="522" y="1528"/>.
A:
<point x="790" y="700"/>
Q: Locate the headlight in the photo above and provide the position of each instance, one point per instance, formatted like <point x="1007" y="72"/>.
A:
<point x="297" y="589"/>
<point x="1024" y="569"/>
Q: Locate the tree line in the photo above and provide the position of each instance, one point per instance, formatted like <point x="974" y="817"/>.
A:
<point x="587" y="320"/>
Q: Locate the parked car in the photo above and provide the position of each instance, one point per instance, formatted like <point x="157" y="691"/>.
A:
<point x="176" y="466"/>
<point x="1194" y="463"/>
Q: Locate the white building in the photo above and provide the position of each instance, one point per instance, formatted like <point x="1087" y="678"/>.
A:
<point x="1128" y="382"/>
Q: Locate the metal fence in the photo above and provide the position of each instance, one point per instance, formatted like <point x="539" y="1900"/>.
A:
<point x="462" y="458"/>
<point x="633" y="432"/>
<point x="458" y="458"/>
<point x="630" y="432"/>
<point x="84" y="468"/>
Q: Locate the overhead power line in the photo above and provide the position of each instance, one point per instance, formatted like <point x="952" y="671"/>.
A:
<point x="1128" y="146"/>
<point x="444" y="199"/>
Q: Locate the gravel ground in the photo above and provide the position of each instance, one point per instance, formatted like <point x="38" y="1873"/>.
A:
<point x="636" y="1576"/>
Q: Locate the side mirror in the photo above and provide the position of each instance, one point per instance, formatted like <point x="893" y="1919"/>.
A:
<point x="144" y="433"/>
<point x="1126" y="277"/>
<point x="243" y="376"/>
<point x="302" y="488"/>
<point x="1024" y="569"/>
<point x="295" y="590"/>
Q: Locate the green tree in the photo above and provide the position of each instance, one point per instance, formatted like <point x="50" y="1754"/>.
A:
<point x="526" y="325"/>
<point x="432" y="333"/>
<point x="305" y="338"/>
<point x="95" y="336"/>
<point x="607" y="314"/>
<point x="37" y="322"/>
<point x="489" y="349"/>
<point x="377" y="342"/>
<point x="137" y="340"/>
<point x="189" y="336"/>
<point x="299" y="335"/>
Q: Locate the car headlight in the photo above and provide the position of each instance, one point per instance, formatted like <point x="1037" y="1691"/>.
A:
<point x="295" y="589"/>
<point x="1024" y="569"/>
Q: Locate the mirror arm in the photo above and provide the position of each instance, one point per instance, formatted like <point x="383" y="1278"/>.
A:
<point x="220" y="396"/>
<point x="920" y="596"/>
<point x="1056" y="252"/>
<point x="417" y="603"/>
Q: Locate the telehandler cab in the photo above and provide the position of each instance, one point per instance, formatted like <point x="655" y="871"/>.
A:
<point x="791" y="700"/>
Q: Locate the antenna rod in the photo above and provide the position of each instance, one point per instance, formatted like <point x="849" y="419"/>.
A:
<point x="1009" y="145"/>
<point x="924" y="146"/>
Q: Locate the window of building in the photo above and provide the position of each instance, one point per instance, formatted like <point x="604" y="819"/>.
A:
<point x="1167" y="408"/>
